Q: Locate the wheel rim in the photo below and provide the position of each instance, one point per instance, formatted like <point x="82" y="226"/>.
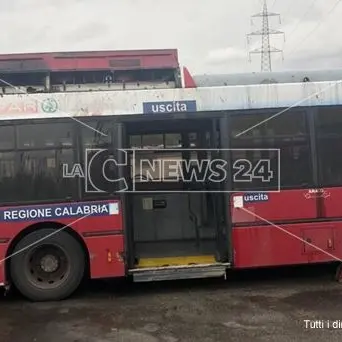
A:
<point x="47" y="266"/>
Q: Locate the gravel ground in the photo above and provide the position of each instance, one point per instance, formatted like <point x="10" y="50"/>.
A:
<point x="286" y="305"/>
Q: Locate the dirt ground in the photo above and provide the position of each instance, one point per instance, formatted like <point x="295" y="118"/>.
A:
<point x="287" y="305"/>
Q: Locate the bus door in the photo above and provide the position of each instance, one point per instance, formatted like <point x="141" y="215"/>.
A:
<point x="176" y="217"/>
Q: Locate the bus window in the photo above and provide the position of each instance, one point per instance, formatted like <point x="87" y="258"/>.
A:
<point x="135" y="141"/>
<point x="7" y="140"/>
<point x="96" y="134"/>
<point x="269" y="125"/>
<point x="41" y="174"/>
<point x="7" y="177"/>
<point x="96" y="149"/>
<point x="152" y="141"/>
<point x="328" y="124"/>
<point x="42" y="150"/>
<point x="8" y="181"/>
<point x="173" y="140"/>
<point x="287" y="133"/>
<point x="41" y="135"/>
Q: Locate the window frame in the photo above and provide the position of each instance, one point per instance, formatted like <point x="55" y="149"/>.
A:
<point x="109" y="123"/>
<point x="19" y="124"/>
<point x="307" y="139"/>
<point x="317" y="112"/>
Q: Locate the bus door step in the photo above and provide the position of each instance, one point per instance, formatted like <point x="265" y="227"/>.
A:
<point x="179" y="272"/>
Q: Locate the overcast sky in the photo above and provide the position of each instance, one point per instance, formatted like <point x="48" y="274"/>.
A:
<point x="209" y="35"/>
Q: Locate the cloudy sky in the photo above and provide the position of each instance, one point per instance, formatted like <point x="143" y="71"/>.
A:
<point x="210" y="35"/>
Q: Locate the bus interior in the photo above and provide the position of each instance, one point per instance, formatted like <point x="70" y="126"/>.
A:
<point x="175" y="217"/>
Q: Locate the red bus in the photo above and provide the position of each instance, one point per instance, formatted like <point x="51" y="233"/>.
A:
<point x="89" y="187"/>
<point x="91" y="71"/>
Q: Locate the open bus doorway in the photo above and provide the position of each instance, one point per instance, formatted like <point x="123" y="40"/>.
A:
<point x="175" y="219"/>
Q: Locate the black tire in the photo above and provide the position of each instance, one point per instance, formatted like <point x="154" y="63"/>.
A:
<point x="32" y="280"/>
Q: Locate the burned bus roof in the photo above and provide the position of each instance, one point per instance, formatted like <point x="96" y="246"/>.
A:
<point x="84" y="60"/>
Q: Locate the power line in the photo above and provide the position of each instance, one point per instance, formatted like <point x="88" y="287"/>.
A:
<point x="316" y="27"/>
<point x="288" y="9"/>
<point x="303" y="17"/>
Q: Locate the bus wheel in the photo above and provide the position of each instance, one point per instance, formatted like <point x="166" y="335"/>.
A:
<point x="45" y="268"/>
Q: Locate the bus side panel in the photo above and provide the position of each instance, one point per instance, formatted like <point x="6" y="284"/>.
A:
<point x="289" y="205"/>
<point x="259" y="246"/>
<point x="106" y="256"/>
<point x="332" y="206"/>
<point x="103" y="237"/>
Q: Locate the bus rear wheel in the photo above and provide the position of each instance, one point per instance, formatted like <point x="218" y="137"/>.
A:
<point x="46" y="267"/>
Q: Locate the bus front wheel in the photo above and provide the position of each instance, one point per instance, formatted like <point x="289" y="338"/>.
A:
<point x="47" y="265"/>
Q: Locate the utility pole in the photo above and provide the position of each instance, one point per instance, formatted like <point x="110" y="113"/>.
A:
<point x="266" y="49"/>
